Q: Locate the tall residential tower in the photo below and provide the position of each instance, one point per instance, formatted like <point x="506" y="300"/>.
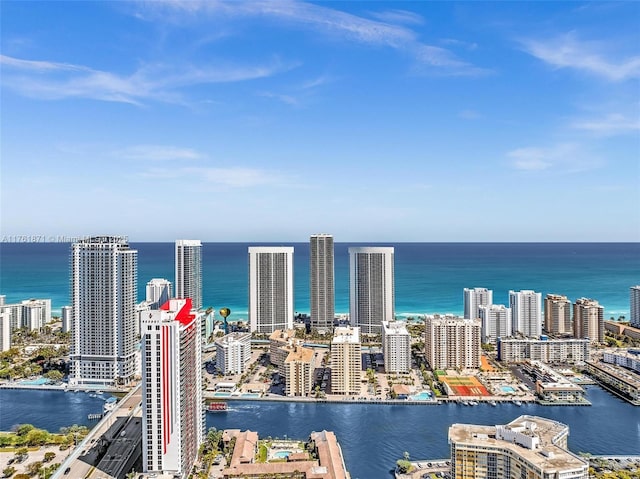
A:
<point x="473" y="299"/>
<point x="557" y="314"/>
<point x="270" y="288"/>
<point x="371" y="288"/>
<point x="104" y="273"/>
<point x="526" y="312"/>
<point x="588" y="320"/>
<point x="321" y="282"/>
<point x="634" y="303"/>
<point x="189" y="271"/>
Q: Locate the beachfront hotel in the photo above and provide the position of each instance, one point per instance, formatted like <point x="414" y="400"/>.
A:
<point x="396" y="347"/>
<point x="473" y="299"/>
<point x="172" y="404"/>
<point x="634" y="306"/>
<point x="526" y="312"/>
<point x="496" y="322"/>
<point x="529" y="446"/>
<point x="588" y="320"/>
<point x="371" y="288"/>
<point x="270" y="288"/>
<point x="346" y="361"/>
<point x="104" y="275"/>
<point x="557" y="314"/>
<point x="188" y="267"/>
<point x="321" y="281"/>
<point x="233" y="351"/>
<point x="452" y="342"/>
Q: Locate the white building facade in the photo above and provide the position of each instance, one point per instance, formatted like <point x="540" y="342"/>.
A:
<point x="270" y="288"/>
<point x="496" y="322"/>
<point x="452" y="342"/>
<point x="321" y="281"/>
<point x="526" y="312"/>
<point x="545" y="350"/>
<point x="103" y="293"/>
<point x="172" y="403"/>
<point x="188" y="267"/>
<point x="5" y="331"/>
<point x="396" y="347"/>
<point x="371" y="288"/>
<point x="233" y="351"/>
<point x="67" y="316"/>
<point x="473" y="299"/>
<point x="158" y="292"/>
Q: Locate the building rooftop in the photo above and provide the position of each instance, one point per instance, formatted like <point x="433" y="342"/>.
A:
<point x="346" y="335"/>
<point x="535" y="439"/>
<point x="299" y="354"/>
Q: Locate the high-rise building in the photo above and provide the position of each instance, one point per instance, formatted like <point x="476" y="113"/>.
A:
<point x="396" y="347"/>
<point x="104" y="273"/>
<point x="270" y="288"/>
<point x="321" y="281"/>
<point x="634" y="306"/>
<point x="588" y="320"/>
<point x="172" y="404"/>
<point x="189" y="271"/>
<point x="371" y="288"/>
<point x="496" y="322"/>
<point x="529" y="447"/>
<point x="36" y="313"/>
<point x="452" y="342"/>
<point x="5" y="331"/>
<point x="298" y="371"/>
<point x="346" y="361"/>
<point x="526" y="312"/>
<point x="67" y="315"/>
<point x="233" y="351"/>
<point x="557" y="314"/>
<point x="473" y="299"/>
<point x="158" y="292"/>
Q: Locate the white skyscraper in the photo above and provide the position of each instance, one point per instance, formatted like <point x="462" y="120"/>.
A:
<point x="67" y="314"/>
<point x="321" y="281"/>
<point x="371" y="291"/>
<point x="473" y="299"/>
<point x="172" y="403"/>
<point x="189" y="271"/>
<point x="270" y="288"/>
<point x="104" y="273"/>
<point x="526" y="312"/>
<point x="396" y="347"/>
<point x="634" y="298"/>
<point x="158" y="292"/>
<point x="496" y="322"/>
<point x="233" y="351"/>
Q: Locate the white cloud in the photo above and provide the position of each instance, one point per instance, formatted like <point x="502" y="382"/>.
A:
<point x="610" y="125"/>
<point x="321" y="18"/>
<point x="567" y="51"/>
<point x="233" y="177"/>
<point x="399" y="16"/>
<point x="562" y="158"/>
<point x="158" y="153"/>
<point x="51" y="80"/>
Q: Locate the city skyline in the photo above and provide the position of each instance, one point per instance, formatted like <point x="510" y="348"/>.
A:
<point x="397" y="114"/>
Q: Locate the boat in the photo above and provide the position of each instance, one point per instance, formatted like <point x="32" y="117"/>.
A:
<point x="473" y="403"/>
<point x="100" y="392"/>
<point x="517" y="403"/>
<point x="218" y="406"/>
<point x="493" y="403"/>
<point x="109" y="405"/>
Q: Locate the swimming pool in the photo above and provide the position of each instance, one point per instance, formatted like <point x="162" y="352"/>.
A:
<point x="222" y="395"/>
<point x="35" y="382"/>
<point x="282" y="454"/>
<point x="250" y="395"/>
<point x="508" y="389"/>
<point x="422" y="396"/>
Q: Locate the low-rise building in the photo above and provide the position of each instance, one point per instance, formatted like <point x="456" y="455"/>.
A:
<point x="552" y="386"/>
<point x="530" y="446"/>
<point x="569" y="350"/>
<point x="624" y="382"/>
<point x="627" y="358"/>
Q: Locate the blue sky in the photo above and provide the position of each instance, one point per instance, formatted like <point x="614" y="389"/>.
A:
<point x="270" y="121"/>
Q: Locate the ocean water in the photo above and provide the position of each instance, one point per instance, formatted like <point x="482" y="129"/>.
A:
<point x="429" y="277"/>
